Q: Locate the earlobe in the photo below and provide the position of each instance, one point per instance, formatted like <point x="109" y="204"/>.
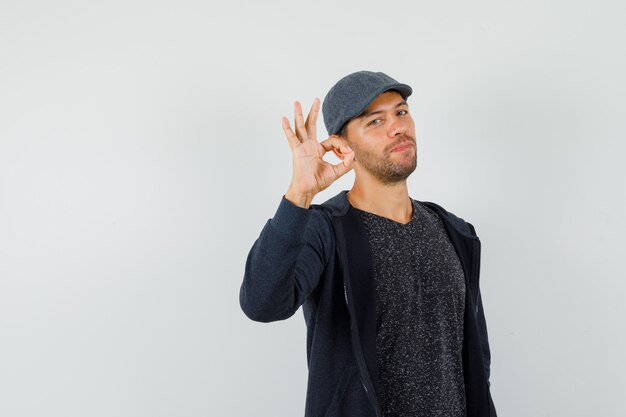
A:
<point x="338" y="153"/>
<point x="341" y="151"/>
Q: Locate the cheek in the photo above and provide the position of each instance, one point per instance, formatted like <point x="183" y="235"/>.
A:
<point x="411" y="126"/>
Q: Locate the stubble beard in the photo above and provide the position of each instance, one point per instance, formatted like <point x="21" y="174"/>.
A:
<point x="384" y="168"/>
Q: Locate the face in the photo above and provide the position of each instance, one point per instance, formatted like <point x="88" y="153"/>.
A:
<point x="383" y="139"/>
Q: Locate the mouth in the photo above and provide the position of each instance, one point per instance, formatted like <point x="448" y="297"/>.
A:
<point x="402" y="147"/>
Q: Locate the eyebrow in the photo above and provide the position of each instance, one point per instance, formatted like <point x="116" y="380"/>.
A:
<point x="369" y="113"/>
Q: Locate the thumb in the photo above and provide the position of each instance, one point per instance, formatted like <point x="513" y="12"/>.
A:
<point x="345" y="165"/>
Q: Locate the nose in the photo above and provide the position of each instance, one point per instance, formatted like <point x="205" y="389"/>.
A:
<point x="397" y="127"/>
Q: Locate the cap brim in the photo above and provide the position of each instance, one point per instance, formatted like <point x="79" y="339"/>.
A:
<point x="404" y="90"/>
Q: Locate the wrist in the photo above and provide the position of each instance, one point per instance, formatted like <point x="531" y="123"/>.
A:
<point x="299" y="199"/>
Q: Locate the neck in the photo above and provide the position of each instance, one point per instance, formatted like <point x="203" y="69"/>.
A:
<point x="387" y="200"/>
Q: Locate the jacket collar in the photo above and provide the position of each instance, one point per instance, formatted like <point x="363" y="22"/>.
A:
<point x="339" y="206"/>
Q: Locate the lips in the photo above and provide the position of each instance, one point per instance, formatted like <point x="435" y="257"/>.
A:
<point x="402" y="146"/>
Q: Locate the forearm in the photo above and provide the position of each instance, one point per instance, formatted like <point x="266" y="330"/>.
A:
<point x="283" y="266"/>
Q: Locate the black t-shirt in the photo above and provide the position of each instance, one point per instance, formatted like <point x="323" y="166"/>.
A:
<point x="420" y="303"/>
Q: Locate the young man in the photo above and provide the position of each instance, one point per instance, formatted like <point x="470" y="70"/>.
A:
<point x="388" y="284"/>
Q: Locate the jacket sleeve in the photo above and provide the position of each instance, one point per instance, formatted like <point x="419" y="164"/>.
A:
<point x="285" y="263"/>
<point x="484" y="337"/>
<point x="480" y="319"/>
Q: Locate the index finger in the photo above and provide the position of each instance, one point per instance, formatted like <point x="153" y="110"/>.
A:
<point x="334" y="142"/>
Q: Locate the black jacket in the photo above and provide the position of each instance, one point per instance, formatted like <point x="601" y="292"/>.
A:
<point x="319" y="258"/>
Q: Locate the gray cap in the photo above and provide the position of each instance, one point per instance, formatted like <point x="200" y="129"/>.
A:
<point x="351" y="95"/>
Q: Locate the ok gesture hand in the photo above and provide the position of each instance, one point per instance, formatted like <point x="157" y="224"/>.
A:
<point x="311" y="174"/>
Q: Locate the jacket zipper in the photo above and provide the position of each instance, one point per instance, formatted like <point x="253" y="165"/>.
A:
<point x="360" y="364"/>
<point x="373" y="400"/>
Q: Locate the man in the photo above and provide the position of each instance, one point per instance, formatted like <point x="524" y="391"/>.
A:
<point x="388" y="284"/>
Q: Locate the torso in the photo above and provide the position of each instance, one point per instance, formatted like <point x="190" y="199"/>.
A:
<point x="420" y="302"/>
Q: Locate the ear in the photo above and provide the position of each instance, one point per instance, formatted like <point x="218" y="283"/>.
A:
<point x="340" y="151"/>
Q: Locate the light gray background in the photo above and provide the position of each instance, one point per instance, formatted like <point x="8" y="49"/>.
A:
<point x="141" y="153"/>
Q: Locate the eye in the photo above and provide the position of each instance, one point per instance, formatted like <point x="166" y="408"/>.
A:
<point x="403" y="112"/>
<point x="375" y="122"/>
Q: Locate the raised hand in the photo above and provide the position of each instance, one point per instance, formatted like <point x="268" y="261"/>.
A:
<point x="311" y="174"/>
